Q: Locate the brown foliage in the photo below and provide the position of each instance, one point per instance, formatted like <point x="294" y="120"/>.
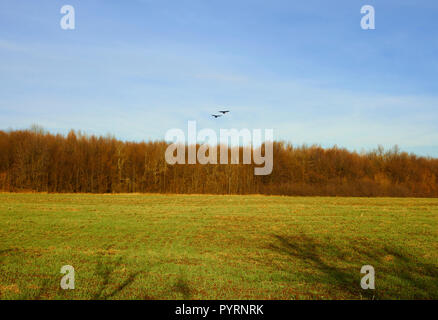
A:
<point x="43" y="162"/>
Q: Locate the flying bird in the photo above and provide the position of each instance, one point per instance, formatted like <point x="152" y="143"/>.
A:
<point x="224" y="111"/>
<point x="216" y="115"/>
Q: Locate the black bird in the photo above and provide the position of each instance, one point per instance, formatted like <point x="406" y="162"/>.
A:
<point x="224" y="111"/>
<point x="216" y="115"/>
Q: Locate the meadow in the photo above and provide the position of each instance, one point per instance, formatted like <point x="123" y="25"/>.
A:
<point x="151" y="246"/>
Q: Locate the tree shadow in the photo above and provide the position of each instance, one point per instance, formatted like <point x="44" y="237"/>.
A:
<point x="414" y="279"/>
<point x="307" y="250"/>
<point x="44" y="286"/>
<point x="4" y="251"/>
<point x="421" y="278"/>
<point x="44" y="289"/>
<point x="104" y="269"/>
<point x="7" y="252"/>
<point x="181" y="286"/>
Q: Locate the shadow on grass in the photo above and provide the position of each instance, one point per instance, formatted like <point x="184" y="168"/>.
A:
<point x="416" y="279"/>
<point x="3" y="253"/>
<point x="44" y="284"/>
<point x="181" y="286"/>
<point x="307" y="250"/>
<point x="7" y="252"/>
<point x="45" y="289"/>
<point x="105" y="268"/>
<point x="399" y="275"/>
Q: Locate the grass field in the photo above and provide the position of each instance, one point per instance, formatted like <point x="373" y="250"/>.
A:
<point x="216" y="247"/>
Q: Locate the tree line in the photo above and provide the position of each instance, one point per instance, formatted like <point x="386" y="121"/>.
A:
<point x="35" y="160"/>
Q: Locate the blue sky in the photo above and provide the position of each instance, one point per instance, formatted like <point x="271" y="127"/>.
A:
<point x="137" y="68"/>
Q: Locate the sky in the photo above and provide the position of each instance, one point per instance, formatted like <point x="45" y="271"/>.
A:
<point x="135" y="69"/>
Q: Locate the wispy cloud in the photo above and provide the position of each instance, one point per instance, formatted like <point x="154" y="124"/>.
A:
<point x="305" y="69"/>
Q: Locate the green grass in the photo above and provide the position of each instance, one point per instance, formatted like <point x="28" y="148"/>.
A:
<point x="216" y="247"/>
